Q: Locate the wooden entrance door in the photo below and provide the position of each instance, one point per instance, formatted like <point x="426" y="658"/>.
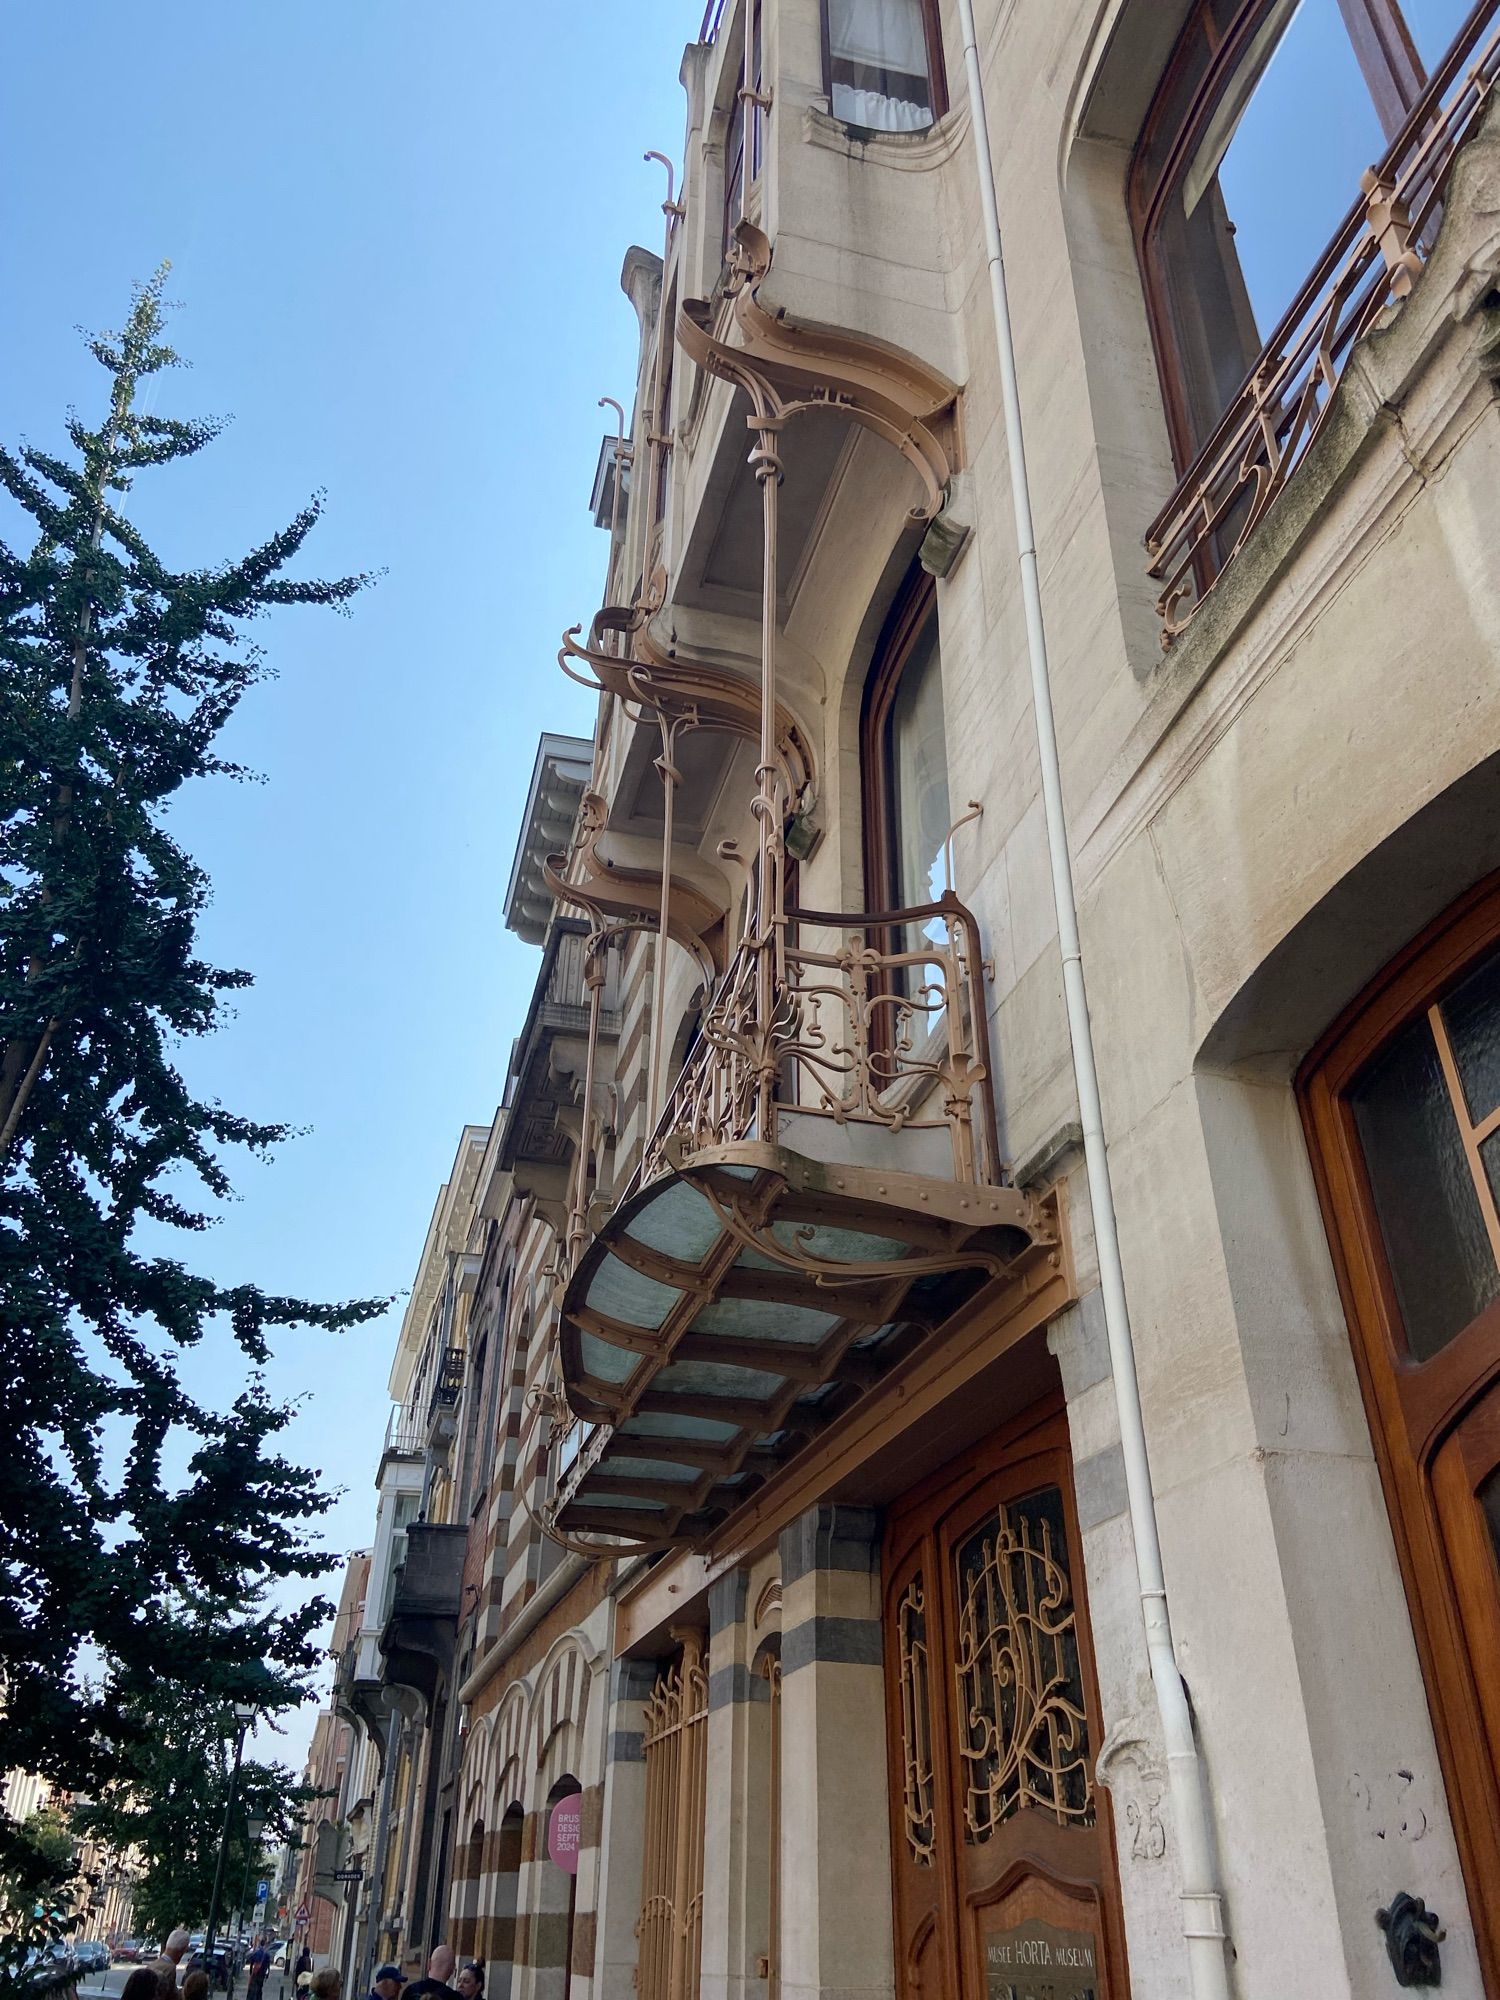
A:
<point x="1005" y="1883"/>
<point x="1402" y="1108"/>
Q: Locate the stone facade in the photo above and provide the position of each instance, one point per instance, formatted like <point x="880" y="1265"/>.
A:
<point x="1261" y="816"/>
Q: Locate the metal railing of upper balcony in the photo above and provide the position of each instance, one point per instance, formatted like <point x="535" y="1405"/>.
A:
<point x="404" y="1432"/>
<point x="449" y="1381"/>
<point x="876" y="1019"/>
<point x="1371" y="263"/>
<point x="713" y="20"/>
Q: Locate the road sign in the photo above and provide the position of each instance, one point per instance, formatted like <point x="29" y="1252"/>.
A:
<point x="262" y="1891"/>
<point x="303" y="1913"/>
<point x="347" y="1875"/>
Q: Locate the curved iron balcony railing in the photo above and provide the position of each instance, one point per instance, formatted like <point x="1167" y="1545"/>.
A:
<point x="1281" y="406"/>
<point x="876" y="1019"/>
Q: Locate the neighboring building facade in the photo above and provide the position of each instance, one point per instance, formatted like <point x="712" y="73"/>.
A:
<point x="316" y="1891"/>
<point x="23" y="1793"/>
<point x="769" y="1620"/>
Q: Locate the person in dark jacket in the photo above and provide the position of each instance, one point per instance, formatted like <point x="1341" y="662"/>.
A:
<point x="387" y="1983"/>
<point x="435" y="1986"/>
<point x="258" y="1964"/>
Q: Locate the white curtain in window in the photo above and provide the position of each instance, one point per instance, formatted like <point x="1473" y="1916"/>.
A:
<point x="878" y="113"/>
<point x="878" y="61"/>
<point x="920" y="755"/>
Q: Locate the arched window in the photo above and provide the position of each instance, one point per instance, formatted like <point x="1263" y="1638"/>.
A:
<point x="1402" y="1105"/>
<point x="557" y="1892"/>
<point x="1267" y="114"/>
<point x="497" y="1930"/>
<point x="883" y="63"/>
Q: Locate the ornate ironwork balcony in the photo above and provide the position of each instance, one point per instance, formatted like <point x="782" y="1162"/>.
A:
<point x="822" y="1191"/>
<point x="877" y="1021"/>
<point x="1283" y="403"/>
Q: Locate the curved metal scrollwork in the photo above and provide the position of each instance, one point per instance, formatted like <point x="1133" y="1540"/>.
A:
<point x="1022" y="1732"/>
<point x="918" y="1794"/>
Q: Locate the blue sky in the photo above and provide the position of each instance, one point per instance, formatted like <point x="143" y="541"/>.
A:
<point x="396" y="232"/>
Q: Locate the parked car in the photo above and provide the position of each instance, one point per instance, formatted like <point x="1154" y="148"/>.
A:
<point x="129" y="1951"/>
<point x="92" y="1955"/>
<point x="52" y="1962"/>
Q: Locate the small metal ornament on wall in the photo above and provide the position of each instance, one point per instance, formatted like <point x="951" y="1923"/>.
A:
<point x="1412" y="1936"/>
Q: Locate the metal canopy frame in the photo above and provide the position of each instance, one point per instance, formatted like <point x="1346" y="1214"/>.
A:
<point x="732" y="1307"/>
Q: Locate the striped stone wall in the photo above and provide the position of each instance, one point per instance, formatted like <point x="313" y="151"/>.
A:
<point x="543" y="1735"/>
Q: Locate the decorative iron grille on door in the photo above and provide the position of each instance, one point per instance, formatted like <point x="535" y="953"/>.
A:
<point x="670" y="1931"/>
<point x="1023" y="1736"/>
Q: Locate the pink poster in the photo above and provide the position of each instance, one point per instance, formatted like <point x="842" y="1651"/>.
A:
<point x="563" y="1830"/>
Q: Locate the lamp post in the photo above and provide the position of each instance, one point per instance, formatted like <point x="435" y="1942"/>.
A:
<point x="254" y="1828"/>
<point x="244" y="1717"/>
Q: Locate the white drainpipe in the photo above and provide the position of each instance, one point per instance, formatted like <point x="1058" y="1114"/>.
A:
<point x="1202" y="1906"/>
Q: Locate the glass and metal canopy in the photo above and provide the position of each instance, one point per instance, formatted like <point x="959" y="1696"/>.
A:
<point x="734" y="1306"/>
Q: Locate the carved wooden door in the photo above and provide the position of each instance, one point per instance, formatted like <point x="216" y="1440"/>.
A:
<point x="1004" y="1860"/>
<point x="1402" y="1107"/>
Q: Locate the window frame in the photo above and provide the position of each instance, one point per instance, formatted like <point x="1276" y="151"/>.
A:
<point x="937" y="73"/>
<point x="906" y="624"/>
<point x="736" y="188"/>
<point x="1414" y="1406"/>
<point x="1381" y="43"/>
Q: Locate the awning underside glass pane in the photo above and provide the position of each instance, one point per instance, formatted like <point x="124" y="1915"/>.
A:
<point x="796" y="1285"/>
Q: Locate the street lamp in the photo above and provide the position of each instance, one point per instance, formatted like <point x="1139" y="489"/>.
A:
<point x="254" y="1828"/>
<point x="243" y="1716"/>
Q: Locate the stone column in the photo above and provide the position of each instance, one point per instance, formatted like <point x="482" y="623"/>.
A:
<point x="624" y="1815"/>
<point x="736" y="1832"/>
<point x="836" y="1918"/>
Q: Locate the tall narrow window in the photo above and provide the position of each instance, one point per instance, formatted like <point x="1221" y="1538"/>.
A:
<point x="1249" y="162"/>
<point x="768" y="1666"/>
<point x="884" y="63"/>
<point x="662" y="450"/>
<point x="734" y="148"/>
<point x="904" y="752"/>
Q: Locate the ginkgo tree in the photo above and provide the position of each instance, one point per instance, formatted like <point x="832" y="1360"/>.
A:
<point x="123" y="1498"/>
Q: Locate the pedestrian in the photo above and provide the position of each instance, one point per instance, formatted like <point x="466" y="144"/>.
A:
<point x="304" y="1964"/>
<point x="435" y="1986"/>
<point x="195" y="1986"/>
<point x="387" y="1983"/>
<point x="141" y="1985"/>
<point x="258" y="1964"/>
<point x="327" y="1984"/>
<point x="471" y="1980"/>
<point x="173" y="1952"/>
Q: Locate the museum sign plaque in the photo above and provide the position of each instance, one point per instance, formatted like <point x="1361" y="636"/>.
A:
<point x="1035" y="1961"/>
